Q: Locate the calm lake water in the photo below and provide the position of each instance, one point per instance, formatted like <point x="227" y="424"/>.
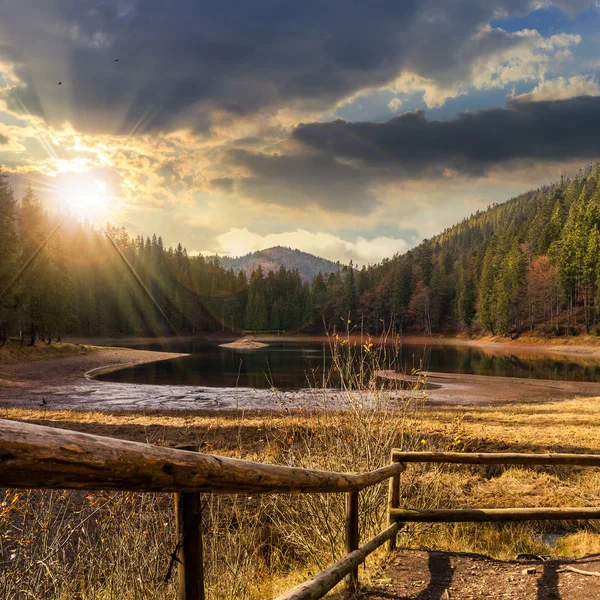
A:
<point x="288" y="365"/>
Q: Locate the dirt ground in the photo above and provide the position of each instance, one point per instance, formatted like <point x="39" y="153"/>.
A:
<point x="417" y="575"/>
<point x="460" y="389"/>
<point x="246" y="343"/>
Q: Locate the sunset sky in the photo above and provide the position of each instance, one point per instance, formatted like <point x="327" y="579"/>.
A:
<point x="348" y="129"/>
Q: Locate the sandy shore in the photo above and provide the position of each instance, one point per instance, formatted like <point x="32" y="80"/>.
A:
<point x="579" y="345"/>
<point x="245" y="344"/>
<point x="557" y="346"/>
<point x="588" y="346"/>
<point x="459" y="389"/>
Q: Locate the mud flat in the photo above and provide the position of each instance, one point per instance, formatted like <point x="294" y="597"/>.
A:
<point x="461" y="389"/>
<point x="244" y="344"/>
<point x="68" y="383"/>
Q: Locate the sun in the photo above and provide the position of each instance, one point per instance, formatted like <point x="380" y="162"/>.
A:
<point x="87" y="198"/>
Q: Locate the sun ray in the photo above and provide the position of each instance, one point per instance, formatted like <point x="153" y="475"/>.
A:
<point x="139" y="281"/>
<point x="46" y="145"/>
<point x="29" y="262"/>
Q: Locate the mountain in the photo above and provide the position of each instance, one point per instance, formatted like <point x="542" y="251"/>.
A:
<point x="272" y="259"/>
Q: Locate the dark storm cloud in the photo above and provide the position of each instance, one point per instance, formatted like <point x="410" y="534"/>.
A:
<point x="178" y="61"/>
<point x="303" y="180"/>
<point x="411" y="146"/>
<point x="223" y="184"/>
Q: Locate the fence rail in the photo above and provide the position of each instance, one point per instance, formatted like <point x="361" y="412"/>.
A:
<point x="497" y="458"/>
<point x="468" y="515"/>
<point x="34" y="456"/>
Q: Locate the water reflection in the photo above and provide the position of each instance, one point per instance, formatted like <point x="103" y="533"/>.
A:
<point x="291" y="365"/>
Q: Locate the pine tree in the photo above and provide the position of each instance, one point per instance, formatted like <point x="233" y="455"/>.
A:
<point x="487" y="289"/>
<point x="33" y="265"/>
<point x="8" y="255"/>
<point x="349" y="291"/>
<point x="465" y="298"/>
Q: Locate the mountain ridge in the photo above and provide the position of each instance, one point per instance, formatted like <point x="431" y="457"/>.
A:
<point x="272" y="259"/>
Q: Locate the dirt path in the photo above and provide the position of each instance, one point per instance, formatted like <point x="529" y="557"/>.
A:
<point x="416" y="575"/>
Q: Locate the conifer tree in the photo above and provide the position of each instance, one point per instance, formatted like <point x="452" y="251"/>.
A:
<point x="8" y="255"/>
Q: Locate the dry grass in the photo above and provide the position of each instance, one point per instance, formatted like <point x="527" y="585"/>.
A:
<point x="69" y="545"/>
<point x="566" y="426"/>
<point x="14" y="352"/>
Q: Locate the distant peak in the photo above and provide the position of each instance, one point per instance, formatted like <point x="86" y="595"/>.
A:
<point x="272" y="259"/>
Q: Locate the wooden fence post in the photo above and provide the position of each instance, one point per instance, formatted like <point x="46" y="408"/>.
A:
<point x="352" y="536"/>
<point x="393" y="502"/>
<point x="190" y="568"/>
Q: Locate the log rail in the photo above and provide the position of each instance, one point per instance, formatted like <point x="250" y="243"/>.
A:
<point x="37" y="457"/>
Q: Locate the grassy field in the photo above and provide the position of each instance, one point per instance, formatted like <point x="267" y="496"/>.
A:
<point x="13" y="353"/>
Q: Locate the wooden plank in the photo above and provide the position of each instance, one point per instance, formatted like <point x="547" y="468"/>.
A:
<point x="326" y="580"/>
<point x="190" y="567"/>
<point x="456" y="515"/>
<point x="33" y="456"/>
<point x="393" y="502"/>
<point x="352" y="536"/>
<point x="497" y="458"/>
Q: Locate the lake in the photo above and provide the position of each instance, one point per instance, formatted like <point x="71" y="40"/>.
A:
<point x="290" y="365"/>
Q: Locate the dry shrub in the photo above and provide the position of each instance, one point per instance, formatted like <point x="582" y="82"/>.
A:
<point x="349" y="431"/>
<point x="578" y="544"/>
<point x="68" y="544"/>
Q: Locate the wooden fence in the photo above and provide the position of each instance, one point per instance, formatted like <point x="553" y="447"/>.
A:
<point x="32" y="456"/>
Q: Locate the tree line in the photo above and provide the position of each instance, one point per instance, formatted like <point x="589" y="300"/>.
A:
<point x="530" y="263"/>
<point x="59" y="275"/>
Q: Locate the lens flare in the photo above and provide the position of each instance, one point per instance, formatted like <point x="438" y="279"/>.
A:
<point x="87" y="199"/>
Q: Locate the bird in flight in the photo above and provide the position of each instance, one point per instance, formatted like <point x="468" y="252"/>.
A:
<point x="116" y="60"/>
<point x="60" y="83"/>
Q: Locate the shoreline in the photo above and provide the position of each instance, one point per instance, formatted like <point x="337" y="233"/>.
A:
<point x="577" y="345"/>
<point x="68" y="383"/>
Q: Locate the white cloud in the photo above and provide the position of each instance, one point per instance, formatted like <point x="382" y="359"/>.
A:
<point x="493" y="58"/>
<point x="240" y="241"/>
<point x="562" y="89"/>
<point x="394" y="104"/>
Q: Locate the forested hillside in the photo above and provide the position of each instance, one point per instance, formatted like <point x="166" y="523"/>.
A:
<point x="531" y="262"/>
<point x="271" y="259"/>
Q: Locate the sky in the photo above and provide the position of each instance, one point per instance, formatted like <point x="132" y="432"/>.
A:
<point x="352" y="130"/>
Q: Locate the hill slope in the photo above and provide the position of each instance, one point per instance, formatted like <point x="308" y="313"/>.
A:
<point x="272" y="259"/>
<point x="530" y="263"/>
